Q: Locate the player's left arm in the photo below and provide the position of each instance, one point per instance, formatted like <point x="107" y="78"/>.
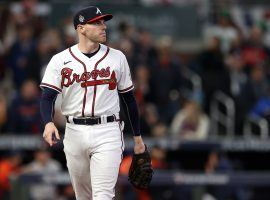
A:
<point x="140" y="171"/>
<point x="125" y="89"/>
<point x="132" y="112"/>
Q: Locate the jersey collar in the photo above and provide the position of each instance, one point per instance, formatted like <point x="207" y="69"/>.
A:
<point x="84" y="58"/>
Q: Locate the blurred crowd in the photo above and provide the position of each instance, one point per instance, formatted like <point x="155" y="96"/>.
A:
<point x="232" y="61"/>
<point x="170" y="102"/>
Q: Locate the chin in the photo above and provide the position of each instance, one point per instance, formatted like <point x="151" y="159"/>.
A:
<point x="103" y="40"/>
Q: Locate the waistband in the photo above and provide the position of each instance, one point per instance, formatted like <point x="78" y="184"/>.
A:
<point x="92" y="120"/>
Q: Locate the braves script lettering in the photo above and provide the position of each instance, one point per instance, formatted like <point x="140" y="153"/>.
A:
<point x="68" y="78"/>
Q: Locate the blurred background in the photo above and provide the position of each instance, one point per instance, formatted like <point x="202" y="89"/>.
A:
<point x="201" y="72"/>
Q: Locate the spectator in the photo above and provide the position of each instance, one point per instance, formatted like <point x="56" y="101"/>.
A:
<point x="144" y="95"/>
<point x="144" y="49"/>
<point x="159" y="157"/>
<point x="143" y="84"/>
<point x="70" y="36"/>
<point x="159" y="162"/>
<point x="212" y="68"/>
<point x="258" y="82"/>
<point x="253" y="92"/>
<point x="235" y="85"/>
<point x="159" y="130"/>
<point x="23" y="111"/>
<point x="127" y="46"/>
<point x="7" y="38"/>
<point x="9" y="165"/>
<point x="8" y="28"/>
<point x="3" y="114"/>
<point x="127" y="31"/>
<point x="47" y="45"/>
<point x="225" y="30"/>
<point x="31" y="12"/>
<point x="262" y="108"/>
<point x="166" y="76"/>
<point x="254" y="52"/>
<point x="190" y="122"/>
<point x="149" y="118"/>
<point x="19" y="54"/>
<point x="43" y="164"/>
<point x="124" y="40"/>
<point x="218" y="162"/>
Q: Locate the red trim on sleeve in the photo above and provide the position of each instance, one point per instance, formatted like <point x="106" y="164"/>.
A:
<point x="85" y="89"/>
<point x="51" y="86"/>
<point x="126" y="90"/>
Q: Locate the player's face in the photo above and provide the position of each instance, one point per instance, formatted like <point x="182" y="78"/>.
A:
<point x="96" y="31"/>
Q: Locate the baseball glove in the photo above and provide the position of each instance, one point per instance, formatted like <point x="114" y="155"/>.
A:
<point x="140" y="171"/>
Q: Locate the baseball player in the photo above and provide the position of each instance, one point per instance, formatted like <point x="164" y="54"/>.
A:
<point x="91" y="77"/>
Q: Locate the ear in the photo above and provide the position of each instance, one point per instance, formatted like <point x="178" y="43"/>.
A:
<point x="80" y="28"/>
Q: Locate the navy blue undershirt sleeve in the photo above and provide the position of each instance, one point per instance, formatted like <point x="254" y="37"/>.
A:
<point x="132" y="112"/>
<point x="47" y="102"/>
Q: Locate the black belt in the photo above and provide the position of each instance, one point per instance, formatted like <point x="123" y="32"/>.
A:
<point x="91" y="120"/>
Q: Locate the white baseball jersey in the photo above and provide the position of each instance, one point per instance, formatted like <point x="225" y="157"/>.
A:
<point x="89" y="86"/>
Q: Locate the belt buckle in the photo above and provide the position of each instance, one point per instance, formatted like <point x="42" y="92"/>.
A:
<point x="103" y="119"/>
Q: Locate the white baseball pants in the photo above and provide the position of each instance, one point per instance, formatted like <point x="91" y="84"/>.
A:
<point x="93" y="155"/>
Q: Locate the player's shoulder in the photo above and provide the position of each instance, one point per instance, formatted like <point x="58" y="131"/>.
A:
<point x="59" y="58"/>
<point x="113" y="51"/>
<point x="63" y="53"/>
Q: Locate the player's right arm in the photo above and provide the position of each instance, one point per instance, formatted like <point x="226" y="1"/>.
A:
<point x="47" y="102"/>
<point x="51" y="87"/>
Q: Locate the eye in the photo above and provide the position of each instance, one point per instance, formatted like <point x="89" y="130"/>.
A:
<point x="97" y="23"/>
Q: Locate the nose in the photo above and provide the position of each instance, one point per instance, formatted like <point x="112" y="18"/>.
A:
<point x="104" y="25"/>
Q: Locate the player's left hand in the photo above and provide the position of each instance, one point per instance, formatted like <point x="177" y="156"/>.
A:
<point x="139" y="145"/>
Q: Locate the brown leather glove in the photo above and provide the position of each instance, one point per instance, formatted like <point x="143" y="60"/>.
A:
<point x="141" y="171"/>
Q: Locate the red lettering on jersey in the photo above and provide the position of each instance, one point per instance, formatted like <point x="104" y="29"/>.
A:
<point x="68" y="78"/>
<point x="112" y="82"/>
<point x="104" y="72"/>
<point x="76" y="78"/>
<point x="95" y="73"/>
<point x="66" y="73"/>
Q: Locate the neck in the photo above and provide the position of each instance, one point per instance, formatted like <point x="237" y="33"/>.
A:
<point x="88" y="46"/>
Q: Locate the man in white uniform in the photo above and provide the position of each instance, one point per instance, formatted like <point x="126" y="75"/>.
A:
<point x="90" y="76"/>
